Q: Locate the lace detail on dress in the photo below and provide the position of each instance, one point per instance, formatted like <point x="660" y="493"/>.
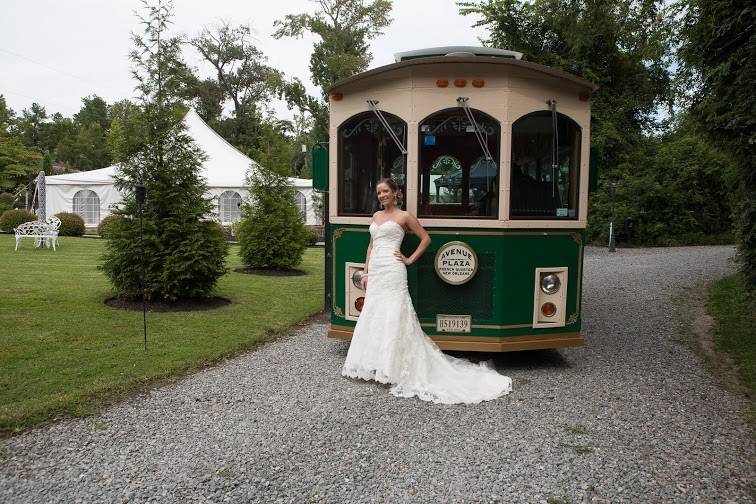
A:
<point x="389" y="345"/>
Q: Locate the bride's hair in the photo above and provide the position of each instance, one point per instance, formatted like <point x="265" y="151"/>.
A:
<point x="394" y="188"/>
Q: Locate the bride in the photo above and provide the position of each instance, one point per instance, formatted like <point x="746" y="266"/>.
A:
<point x="388" y="344"/>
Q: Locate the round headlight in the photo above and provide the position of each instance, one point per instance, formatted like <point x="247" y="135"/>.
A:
<point x="549" y="309"/>
<point x="357" y="278"/>
<point x="359" y="303"/>
<point x="550" y="283"/>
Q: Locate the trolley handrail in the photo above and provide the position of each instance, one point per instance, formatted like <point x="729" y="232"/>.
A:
<point x="462" y="102"/>
<point x="373" y="104"/>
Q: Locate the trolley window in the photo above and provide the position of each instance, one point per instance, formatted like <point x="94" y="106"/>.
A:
<point x="367" y="153"/>
<point x="459" y="166"/>
<point x="545" y="179"/>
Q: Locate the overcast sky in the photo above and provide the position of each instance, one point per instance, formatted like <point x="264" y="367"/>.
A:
<point x="55" y="52"/>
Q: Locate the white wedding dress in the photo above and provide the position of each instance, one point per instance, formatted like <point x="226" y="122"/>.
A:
<point x="389" y="346"/>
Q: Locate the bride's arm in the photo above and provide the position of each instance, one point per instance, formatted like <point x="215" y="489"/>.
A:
<point x="414" y="225"/>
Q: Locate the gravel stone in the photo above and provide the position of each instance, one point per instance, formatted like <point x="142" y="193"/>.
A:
<point x="631" y="417"/>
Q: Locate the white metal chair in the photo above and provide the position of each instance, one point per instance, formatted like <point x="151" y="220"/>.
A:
<point x="54" y="223"/>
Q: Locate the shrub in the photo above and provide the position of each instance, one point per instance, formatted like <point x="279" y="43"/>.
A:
<point x="6" y="199"/>
<point x="13" y="218"/>
<point x="311" y="237"/>
<point x="105" y="228"/>
<point x="71" y="224"/>
<point x="272" y="232"/>
<point x="228" y="231"/>
<point x="235" y="227"/>
<point x="3" y="208"/>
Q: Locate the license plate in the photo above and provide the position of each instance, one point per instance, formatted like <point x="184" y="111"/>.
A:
<point x="453" y="323"/>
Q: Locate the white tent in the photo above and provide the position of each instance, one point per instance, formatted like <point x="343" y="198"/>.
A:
<point x="92" y="194"/>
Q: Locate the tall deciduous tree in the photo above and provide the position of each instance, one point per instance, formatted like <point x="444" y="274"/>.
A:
<point x="17" y="162"/>
<point x="6" y="116"/>
<point x="242" y="78"/>
<point x="718" y="53"/>
<point x="81" y="143"/>
<point x="29" y="127"/>
<point x="345" y="29"/>
<point x="185" y="254"/>
<point x="94" y="110"/>
<point x="620" y="45"/>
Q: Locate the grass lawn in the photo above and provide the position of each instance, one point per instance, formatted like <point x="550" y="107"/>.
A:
<point x="64" y="352"/>
<point x="735" y="328"/>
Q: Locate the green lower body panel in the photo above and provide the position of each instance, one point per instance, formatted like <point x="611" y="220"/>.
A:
<point x="499" y="301"/>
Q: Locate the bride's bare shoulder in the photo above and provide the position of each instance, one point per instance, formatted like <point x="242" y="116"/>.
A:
<point x="406" y="216"/>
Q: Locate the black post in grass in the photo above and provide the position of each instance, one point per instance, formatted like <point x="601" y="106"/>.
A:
<point x="140" y="192"/>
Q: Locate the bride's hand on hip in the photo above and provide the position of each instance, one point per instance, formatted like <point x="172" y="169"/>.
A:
<point x="402" y="258"/>
<point x="363" y="281"/>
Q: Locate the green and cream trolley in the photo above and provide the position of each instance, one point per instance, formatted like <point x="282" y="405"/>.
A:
<point x="492" y="154"/>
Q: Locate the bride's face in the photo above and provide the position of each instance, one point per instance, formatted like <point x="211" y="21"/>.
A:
<point x="386" y="196"/>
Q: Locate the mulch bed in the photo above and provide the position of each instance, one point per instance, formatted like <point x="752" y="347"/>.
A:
<point x="270" y="272"/>
<point x="182" y="305"/>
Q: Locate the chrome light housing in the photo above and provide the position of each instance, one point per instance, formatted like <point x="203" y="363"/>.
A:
<point x="550" y="283"/>
<point x="357" y="278"/>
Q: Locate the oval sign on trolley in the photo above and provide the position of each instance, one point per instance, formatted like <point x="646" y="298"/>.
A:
<point x="456" y="263"/>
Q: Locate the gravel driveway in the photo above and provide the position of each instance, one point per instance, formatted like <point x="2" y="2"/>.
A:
<point x="631" y="417"/>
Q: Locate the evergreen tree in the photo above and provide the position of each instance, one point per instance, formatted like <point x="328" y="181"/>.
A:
<point x="184" y="253"/>
<point x="272" y="233"/>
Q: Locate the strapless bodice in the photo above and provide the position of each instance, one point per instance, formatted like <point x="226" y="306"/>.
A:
<point x="387" y="236"/>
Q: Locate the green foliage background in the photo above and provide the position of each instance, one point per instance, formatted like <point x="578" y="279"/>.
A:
<point x="718" y="55"/>
<point x="661" y="172"/>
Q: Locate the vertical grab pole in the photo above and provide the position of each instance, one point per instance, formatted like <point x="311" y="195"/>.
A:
<point x="554" y="145"/>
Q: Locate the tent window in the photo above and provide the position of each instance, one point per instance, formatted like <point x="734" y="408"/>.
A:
<point x="456" y="177"/>
<point x="229" y="206"/>
<point x="368" y="153"/>
<point x="87" y="204"/>
<point x="301" y="203"/>
<point x="544" y="180"/>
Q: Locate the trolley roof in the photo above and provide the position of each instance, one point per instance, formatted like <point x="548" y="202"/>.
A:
<point x="455" y="58"/>
<point x="457" y="51"/>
